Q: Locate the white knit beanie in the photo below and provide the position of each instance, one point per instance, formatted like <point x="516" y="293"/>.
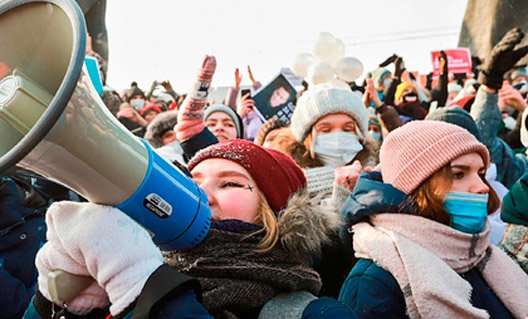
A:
<point x="323" y="100"/>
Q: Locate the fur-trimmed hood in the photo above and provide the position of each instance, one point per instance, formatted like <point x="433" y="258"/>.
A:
<point x="160" y="124"/>
<point x="305" y="225"/>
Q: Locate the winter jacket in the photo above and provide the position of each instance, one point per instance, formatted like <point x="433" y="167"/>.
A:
<point x="487" y="116"/>
<point x="252" y="122"/>
<point x="197" y="142"/>
<point x="515" y="213"/>
<point x="22" y="232"/>
<point x="373" y="292"/>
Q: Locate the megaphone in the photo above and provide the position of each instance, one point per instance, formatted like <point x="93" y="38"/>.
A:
<point x="53" y="122"/>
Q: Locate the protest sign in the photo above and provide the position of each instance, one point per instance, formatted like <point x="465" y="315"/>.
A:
<point x="275" y="99"/>
<point x="458" y="61"/>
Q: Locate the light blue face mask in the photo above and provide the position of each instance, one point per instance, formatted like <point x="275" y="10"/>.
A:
<point x="375" y="135"/>
<point x="468" y="211"/>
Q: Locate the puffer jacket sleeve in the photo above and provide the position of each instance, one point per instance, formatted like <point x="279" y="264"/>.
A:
<point x="487" y="116"/>
<point x="327" y="308"/>
<point x="372" y="292"/>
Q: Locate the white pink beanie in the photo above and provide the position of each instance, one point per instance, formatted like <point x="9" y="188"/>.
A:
<point x="414" y="152"/>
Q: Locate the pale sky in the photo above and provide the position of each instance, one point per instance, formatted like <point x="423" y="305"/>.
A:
<point x="159" y="39"/>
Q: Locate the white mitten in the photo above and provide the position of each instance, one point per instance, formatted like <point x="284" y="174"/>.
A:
<point x="104" y="243"/>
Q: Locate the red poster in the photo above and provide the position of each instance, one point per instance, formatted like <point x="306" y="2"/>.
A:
<point x="458" y="60"/>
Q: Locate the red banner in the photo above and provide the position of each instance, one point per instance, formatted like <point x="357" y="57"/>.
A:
<point x="458" y="60"/>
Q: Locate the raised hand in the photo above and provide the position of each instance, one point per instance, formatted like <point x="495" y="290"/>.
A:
<point x="245" y="106"/>
<point x="502" y="58"/>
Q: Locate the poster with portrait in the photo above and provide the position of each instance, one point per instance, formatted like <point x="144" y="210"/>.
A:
<point x="276" y="99"/>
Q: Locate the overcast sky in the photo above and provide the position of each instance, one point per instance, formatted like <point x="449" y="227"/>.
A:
<point x="158" y="39"/>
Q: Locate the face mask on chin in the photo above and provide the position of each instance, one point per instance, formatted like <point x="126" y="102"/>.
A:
<point x="336" y="149"/>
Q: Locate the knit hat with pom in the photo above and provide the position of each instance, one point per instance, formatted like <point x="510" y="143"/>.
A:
<point x="277" y="176"/>
<point x="414" y="152"/>
<point x="323" y="100"/>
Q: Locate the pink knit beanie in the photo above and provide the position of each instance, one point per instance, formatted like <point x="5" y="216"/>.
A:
<point x="412" y="153"/>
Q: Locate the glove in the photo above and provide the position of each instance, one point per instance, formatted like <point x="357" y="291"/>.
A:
<point x="501" y="59"/>
<point x="442" y="63"/>
<point x="389" y="60"/>
<point x="190" y="114"/>
<point x="399" y="67"/>
<point x="102" y="242"/>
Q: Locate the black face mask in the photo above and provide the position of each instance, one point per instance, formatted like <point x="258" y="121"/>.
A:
<point x="410" y="98"/>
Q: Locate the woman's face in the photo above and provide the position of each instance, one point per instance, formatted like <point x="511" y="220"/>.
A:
<point x="168" y="137"/>
<point x="468" y="172"/>
<point x="336" y="122"/>
<point x="221" y="125"/>
<point x="231" y="191"/>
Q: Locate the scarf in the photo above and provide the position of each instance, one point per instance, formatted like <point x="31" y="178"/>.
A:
<point x="425" y="258"/>
<point x="237" y="280"/>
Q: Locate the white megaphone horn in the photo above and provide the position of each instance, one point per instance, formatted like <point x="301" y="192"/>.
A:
<point x="53" y="122"/>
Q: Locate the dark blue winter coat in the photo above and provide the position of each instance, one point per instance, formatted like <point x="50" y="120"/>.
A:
<point x="22" y="232"/>
<point x="171" y="295"/>
<point x="371" y="291"/>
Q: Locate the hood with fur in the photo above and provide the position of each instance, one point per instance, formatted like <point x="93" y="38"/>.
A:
<point x="305" y="225"/>
<point x="160" y="124"/>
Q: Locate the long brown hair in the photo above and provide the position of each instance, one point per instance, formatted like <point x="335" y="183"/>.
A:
<point x="430" y="195"/>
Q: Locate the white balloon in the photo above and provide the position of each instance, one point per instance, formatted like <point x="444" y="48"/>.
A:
<point x="302" y="63"/>
<point x="320" y="73"/>
<point x="348" y="69"/>
<point x="326" y="48"/>
<point x="340" y="84"/>
<point x="340" y="50"/>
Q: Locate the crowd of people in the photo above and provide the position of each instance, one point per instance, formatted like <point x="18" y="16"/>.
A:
<point x="391" y="199"/>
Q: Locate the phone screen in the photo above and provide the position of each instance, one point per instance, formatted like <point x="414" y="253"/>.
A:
<point x="244" y="92"/>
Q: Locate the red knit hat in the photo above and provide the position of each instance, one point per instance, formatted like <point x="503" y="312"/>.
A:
<point x="150" y="106"/>
<point x="276" y="174"/>
<point x="412" y="153"/>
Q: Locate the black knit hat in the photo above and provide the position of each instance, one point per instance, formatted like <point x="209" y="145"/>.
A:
<point x="133" y="91"/>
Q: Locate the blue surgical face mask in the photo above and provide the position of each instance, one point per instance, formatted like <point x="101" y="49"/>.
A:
<point x="375" y="135"/>
<point x="336" y="149"/>
<point x="468" y="211"/>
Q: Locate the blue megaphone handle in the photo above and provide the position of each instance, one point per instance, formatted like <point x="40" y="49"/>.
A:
<point x="169" y="205"/>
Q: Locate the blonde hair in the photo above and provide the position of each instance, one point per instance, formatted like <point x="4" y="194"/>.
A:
<point x="270" y="225"/>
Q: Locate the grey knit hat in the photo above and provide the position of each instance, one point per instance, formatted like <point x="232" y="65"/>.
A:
<point x="455" y="115"/>
<point x="323" y="100"/>
<point x="229" y="111"/>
